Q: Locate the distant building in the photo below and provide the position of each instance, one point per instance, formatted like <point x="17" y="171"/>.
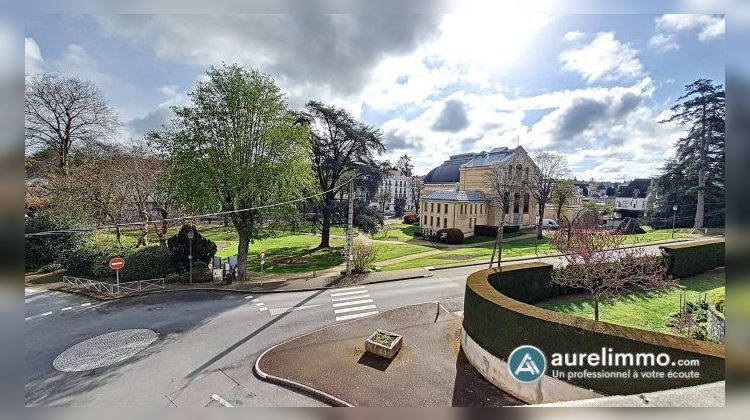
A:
<point x="397" y="193"/>
<point x="633" y="199"/>
<point x="456" y="194"/>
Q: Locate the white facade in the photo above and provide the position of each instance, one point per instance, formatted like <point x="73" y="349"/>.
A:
<point x="398" y="187"/>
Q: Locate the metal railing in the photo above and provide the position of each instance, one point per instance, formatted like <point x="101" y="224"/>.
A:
<point x="111" y="289"/>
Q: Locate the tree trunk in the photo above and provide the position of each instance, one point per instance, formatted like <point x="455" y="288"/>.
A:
<point x="325" y="230"/>
<point x="164" y="227"/>
<point x="226" y="220"/>
<point x="539" y="222"/>
<point x="596" y="309"/>
<point x="701" y="200"/>
<point x="118" y="235"/>
<point x="242" y="249"/>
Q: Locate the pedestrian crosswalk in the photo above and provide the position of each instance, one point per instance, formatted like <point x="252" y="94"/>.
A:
<point x="352" y="303"/>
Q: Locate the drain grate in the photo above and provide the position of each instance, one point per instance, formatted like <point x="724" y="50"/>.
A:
<point x="104" y="350"/>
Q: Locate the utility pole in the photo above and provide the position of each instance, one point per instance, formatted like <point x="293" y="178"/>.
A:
<point x="350" y="230"/>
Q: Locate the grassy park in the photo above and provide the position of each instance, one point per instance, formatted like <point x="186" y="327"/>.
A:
<point x="644" y="309"/>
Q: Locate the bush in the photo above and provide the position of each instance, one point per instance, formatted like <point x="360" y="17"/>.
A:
<point x="48" y="268"/>
<point x="200" y="266"/>
<point x="629" y="226"/>
<point x="453" y="236"/>
<point x="410" y="218"/>
<point x="147" y="263"/>
<point x="179" y="245"/>
<point x="363" y="256"/>
<point x="687" y="259"/>
<point x="172" y="278"/>
<point x="491" y="231"/>
<point x="42" y="250"/>
<point x="92" y="259"/>
<point x="418" y="234"/>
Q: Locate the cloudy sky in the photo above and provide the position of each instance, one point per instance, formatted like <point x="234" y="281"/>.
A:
<point x="592" y="87"/>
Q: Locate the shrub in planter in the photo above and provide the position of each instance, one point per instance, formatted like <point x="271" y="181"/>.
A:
<point x="147" y="263"/>
<point x="179" y="245"/>
<point x="41" y="250"/>
<point x="453" y="236"/>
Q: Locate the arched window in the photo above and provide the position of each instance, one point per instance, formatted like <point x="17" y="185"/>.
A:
<point x="518" y="171"/>
<point x="510" y="172"/>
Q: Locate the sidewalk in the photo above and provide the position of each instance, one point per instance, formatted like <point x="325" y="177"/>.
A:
<point x="265" y="284"/>
<point x="429" y="371"/>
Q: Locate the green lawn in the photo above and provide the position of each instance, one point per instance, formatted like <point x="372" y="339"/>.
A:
<point x="646" y="310"/>
<point x="296" y="246"/>
<point x="472" y="254"/>
<point x="385" y="251"/>
<point x="397" y="232"/>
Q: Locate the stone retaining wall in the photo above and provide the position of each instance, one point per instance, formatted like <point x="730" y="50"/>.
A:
<point x="715" y="325"/>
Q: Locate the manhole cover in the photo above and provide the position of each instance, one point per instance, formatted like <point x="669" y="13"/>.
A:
<point x="104" y="350"/>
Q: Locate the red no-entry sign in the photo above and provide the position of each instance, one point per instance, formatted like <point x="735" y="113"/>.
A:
<point x="116" y="263"/>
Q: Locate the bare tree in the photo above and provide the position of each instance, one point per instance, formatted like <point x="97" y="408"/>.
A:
<point x="63" y="112"/>
<point x="550" y="167"/>
<point x="595" y="261"/>
<point x="503" y="184"/>
<point x="383" y="196"/>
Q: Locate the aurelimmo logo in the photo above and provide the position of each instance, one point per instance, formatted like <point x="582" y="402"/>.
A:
<point x="527" y="364"/>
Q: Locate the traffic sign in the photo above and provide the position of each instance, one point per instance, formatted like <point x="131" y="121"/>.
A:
<point x="116" y="263"/>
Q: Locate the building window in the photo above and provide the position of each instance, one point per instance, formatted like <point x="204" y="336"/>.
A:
<point x="425" y="220"/>
<point x="432" y="208"/>
<point x="481" y="209"/>
<point x="526" y="203"/>
<point x="446" y="208"/>
<point x="445" y="222"/>
<point x="516" y="202"/>
<point x="475" y="209"/>
<point x="506" y="202"/>
<point x="469" y="222"/>
<point x="430" y="220"/>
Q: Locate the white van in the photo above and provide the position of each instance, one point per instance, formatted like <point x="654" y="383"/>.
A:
<point x="550" y="224"/>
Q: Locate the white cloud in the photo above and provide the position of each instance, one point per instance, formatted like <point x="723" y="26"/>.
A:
<point x="662" y="42"/>
<point x="710" y="27"/>
<point x="605" y="58"/>
<point x="573" y="36"/>
<point x="33" y="56"/>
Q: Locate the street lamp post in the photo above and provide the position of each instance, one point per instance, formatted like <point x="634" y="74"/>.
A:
<point x="674" y="215"/>
<point x="190" y="236"/>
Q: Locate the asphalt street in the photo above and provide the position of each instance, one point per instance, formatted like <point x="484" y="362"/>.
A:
<point x="207" y="341"/>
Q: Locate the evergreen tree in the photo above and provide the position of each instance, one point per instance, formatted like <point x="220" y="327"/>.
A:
<point x="699" y="158"/>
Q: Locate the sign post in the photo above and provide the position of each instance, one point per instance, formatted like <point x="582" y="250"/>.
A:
<point x="262" y="257"/>
<point x="117" y="264"/>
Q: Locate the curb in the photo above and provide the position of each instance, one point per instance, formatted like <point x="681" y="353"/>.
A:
<point x="321" y="395"/>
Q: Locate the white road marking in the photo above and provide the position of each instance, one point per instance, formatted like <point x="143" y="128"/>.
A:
<point x="37" y="316"/>
<point x="347" y="289"/>
<point x="249" y="297"/>
<point x="349" y="298"/>
<point x="263" y="309"/>
<point x="354" y="302"/>
<point x="67" y="308"/>
<point x="348" y="293"/>
<point x="221" y="401"/>
<point x="354" y="309"/>
<point x="260" y="304"/>
<point x="355" y="316"/>
<point x="86" y="304"/>
<point x="279" y="311"/>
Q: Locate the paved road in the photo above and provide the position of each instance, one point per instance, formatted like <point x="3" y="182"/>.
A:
<point x="208" y="341"/>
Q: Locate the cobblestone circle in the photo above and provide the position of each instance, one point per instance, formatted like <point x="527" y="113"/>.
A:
<point x="104" y="350"/>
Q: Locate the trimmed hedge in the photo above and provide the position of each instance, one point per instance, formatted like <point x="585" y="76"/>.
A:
<point x="491" y="231"/>
<point x="147" y="263"/>
<point x="687" y="259"/>
<point x="498" y="318"/>
<point x="92" y="259"/>
<point x="44" y="250"/>
<point x="453" y="236"/>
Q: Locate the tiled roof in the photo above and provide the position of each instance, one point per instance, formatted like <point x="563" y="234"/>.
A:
<point x="494" y="156"/>
<point x="455" y="196"/>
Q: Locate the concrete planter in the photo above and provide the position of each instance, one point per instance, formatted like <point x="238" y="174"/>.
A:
<point x="382" y="350"/>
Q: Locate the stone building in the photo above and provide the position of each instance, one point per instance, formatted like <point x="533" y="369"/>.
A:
<point x="457" y="193"/>
<point x="397" y="193"/>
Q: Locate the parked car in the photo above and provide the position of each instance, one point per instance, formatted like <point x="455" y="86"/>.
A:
<point x="550" y="224"/>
